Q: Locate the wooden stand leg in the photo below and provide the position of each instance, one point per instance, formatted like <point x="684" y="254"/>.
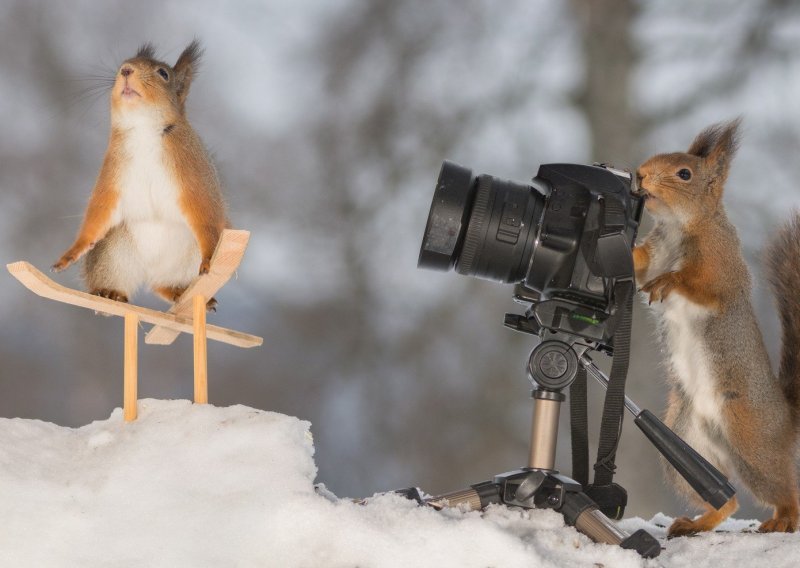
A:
<point x="200" y="351"/>
<point x="130" y="386"/>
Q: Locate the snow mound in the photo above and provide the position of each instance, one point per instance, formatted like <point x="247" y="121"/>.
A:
<point x="197" y="485"/>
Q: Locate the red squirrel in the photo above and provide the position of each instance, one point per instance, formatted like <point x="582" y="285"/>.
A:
<point x="724" y="399"/>
<point x="156" y="212"/>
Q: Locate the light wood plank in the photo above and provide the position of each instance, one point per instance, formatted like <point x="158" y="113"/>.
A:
<point x="40" y="284"/>
<point x="131" y="362"/>
<point x="227" y="257"/>
<point x="200" y="351"/>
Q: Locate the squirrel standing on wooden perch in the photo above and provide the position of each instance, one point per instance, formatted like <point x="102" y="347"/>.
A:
<point x="156" y="211"/>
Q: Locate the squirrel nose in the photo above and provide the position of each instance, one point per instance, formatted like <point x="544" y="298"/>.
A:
<point x="125" y="71"/>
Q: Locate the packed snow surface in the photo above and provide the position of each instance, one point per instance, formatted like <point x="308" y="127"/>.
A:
<point x="197" y="485"/>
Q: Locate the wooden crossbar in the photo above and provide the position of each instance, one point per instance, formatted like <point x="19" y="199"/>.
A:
<point x="38" y="283"/>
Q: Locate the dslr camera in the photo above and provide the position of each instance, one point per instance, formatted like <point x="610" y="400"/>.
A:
<point x="565" y="239"/>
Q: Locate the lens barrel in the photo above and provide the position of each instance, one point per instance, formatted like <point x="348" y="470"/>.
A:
<point x="482" y="225"/>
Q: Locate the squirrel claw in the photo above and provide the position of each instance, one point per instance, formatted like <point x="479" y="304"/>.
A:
<point x="110" y="294"/>
<point x="660" y="287"/>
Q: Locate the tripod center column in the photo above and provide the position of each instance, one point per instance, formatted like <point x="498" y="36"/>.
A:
<point x="544" y="429"/>
<point x="552" y="366"/>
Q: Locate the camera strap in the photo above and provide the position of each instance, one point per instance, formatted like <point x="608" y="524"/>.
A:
<point x="610" y="498"/>
<point x="614" y="407"/>
<point x="579" y="428"/>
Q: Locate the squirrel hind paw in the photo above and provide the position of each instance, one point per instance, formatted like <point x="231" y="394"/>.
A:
<point x="781" y="524"/>
<point x="110" y="294"/>
<point x="684" y="526"/>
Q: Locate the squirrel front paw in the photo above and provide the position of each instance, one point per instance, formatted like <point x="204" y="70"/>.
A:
<point x="63" y="263"/>
<point x="72" y="255"/>
<point x="661" y="287"/>
<point x="205" y="266"/>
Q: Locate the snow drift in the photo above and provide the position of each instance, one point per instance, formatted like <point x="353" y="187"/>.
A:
<point x="197" y="485"/>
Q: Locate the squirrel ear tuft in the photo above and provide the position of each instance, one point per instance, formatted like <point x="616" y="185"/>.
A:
<point x="723" y="136"/>
<point x="186" y="67"/>
<point x="146" y="50"/>
<point x="717" y="145"/>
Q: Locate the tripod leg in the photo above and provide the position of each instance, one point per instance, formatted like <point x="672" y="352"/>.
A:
<point x="468" y="498"/>
<point x="474" y="498"/>
<point x="582" y="513"/>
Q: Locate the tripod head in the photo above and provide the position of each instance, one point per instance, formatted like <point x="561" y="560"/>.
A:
<point x="564" y="319"/>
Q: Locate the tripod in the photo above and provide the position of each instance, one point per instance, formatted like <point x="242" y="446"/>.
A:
<point x="569" y="332"/>
<point x="552" y="366"/>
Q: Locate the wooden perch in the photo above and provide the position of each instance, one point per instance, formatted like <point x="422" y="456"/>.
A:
<point x="38" y="283"/>
<point x="188" y="315"/>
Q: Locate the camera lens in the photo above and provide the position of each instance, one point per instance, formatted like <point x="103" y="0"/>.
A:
<point x="484" y="226"/>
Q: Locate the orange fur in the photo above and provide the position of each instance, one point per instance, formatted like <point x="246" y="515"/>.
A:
<point x="641" y="261"/>
<point x="97" y="220"/>
<point x="204" y="210"/>
<point x="697" y="280"/>
<point x="172" y="294"/>
<point x="684" y="526"/>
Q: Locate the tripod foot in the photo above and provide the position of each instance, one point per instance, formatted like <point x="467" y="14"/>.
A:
<point x="642" y="542"/>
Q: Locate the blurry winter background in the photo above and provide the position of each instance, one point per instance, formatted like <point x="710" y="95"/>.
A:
<point x="328" y="121"/>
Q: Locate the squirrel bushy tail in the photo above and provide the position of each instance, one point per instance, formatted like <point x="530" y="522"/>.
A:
<point x="783" y="269"/>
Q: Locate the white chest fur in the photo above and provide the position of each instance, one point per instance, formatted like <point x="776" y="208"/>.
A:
<point x="149" y="202"/>
<point x="148" y="191"/>
<point x="689" y="353"/>
<point x="683" y="323"/>
<point x="666" y="255"/>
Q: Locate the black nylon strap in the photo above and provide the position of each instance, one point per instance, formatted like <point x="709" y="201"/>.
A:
<point x="579" y="428"/>
<point x="614" y="407"/>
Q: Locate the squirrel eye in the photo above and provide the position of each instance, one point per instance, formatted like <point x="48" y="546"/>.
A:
<point x="163" y="73"/>
<point x="685" y="174"/>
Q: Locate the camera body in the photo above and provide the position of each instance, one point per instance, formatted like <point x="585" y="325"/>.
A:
<point x="565" y="239"/>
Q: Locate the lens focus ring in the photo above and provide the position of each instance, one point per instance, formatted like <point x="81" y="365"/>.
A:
<point x="476" y="228"/>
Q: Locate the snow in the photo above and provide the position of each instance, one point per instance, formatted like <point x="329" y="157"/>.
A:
<point x="198" y="485"/>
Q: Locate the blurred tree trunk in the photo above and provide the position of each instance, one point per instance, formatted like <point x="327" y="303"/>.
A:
<point x="609" y="59"/>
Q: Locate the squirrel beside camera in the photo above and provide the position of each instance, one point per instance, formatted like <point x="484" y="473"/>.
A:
<point x="724" y="399"/>
<point x="156" y="211"/>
